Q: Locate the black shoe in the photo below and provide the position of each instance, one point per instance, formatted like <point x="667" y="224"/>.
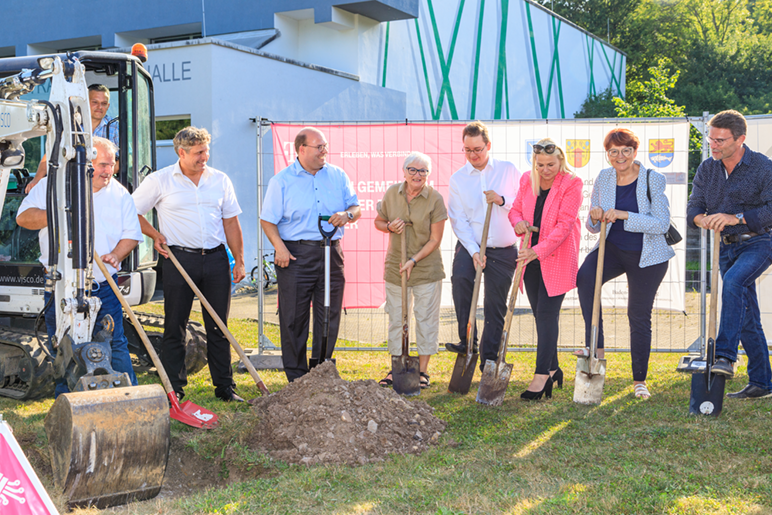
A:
<point x="460" y="348"/>
<point x="232" y="398"/>
<point x="528" y="395"/>
<point x="750" y="392"/>
<point x="724" y="367"/>
<point x="557" y="377"/>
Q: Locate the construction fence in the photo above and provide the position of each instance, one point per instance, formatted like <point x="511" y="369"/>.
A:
<point x="372" y="155"/>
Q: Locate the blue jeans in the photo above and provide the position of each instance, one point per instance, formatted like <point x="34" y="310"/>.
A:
<point x="741" y="264"/>
<point x="121" y="359"/>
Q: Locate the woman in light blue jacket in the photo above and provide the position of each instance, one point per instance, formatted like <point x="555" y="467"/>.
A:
<point x="635" y="245"/>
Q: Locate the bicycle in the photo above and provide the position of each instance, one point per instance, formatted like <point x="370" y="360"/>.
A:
<point x="268" y="272"/>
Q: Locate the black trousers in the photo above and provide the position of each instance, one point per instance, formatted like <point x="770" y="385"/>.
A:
<point x="498" y="272"/>
<point x="642" y="286"/>
<point x="546" y="311"/>
<point x="299" y="284"/>
<point x="212" y="275"/>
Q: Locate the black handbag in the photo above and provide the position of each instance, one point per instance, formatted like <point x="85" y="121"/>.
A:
<point x="672" y="236"/>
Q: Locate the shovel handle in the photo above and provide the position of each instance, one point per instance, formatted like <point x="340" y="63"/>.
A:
<point x="219" y="322"/>
<point x="477" y="278"/>
<point x="714" y="286"/>
<point x="525" y="244"/>
<point x="405" y="316"/>
<point x="140" y="330"/>
<point x="598" y="287"/>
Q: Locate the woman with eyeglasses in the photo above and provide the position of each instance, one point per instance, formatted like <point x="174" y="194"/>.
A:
<point x="635" y="245"/>
<point x="549" y="198"/>
<point x="417" y="203"/>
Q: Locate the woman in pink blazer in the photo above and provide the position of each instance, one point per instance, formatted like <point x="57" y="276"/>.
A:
<point x="549" y="198"/>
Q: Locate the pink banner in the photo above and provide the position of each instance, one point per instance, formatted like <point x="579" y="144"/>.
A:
<point x="372" y="156"/>
<point x="18" y="495"/>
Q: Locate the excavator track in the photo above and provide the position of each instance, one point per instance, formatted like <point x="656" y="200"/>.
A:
<point x="195" y="342"/>
<point x="26" y="373"/>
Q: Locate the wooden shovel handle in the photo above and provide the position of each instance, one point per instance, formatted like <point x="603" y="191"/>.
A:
<point x="477" y="278"/>
<point x="598" y="287"/>
<point x="140" y="330"/>
<point x="405" y="316"/>
<point x="219" y="322"/>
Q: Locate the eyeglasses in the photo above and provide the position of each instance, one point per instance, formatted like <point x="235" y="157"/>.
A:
<point x="423" y="172"/>
<point x="718" y="141"/>
<point x="547" y="149"/>
<point x="627" y="152"/>
<point x="474" y="150"/>
<point x="320" y="148"/>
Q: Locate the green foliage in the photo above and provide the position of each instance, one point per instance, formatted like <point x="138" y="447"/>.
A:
<point x="598" y="106"/>
<point x="167" y="129"/>
<point x="649" y="99"/>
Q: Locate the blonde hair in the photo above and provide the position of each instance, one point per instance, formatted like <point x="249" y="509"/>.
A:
<point x="535" y="184"/>
<point x="190" y="137"/>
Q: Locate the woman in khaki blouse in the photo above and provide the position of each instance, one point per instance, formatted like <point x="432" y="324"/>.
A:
<point x="416" y="202"/>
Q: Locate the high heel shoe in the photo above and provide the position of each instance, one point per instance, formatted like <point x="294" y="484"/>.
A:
<point x="535" y="396"/>
<point x="558" y="377"/>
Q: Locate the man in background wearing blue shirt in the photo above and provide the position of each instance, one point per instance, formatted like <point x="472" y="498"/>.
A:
<point x="296" y="197"/>
<point x="732" y="194"/>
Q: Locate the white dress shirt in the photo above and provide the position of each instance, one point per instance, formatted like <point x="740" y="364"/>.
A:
<point x="115" y="219"/>
<point x="189" y="215"/>
<point x="467" y="206"/>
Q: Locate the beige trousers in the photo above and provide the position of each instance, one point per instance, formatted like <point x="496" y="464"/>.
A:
<point x="424" y="300"/>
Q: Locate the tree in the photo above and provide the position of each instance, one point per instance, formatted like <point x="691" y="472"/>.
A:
<point x="598" y="106"/>
<point x="649" y="99"/>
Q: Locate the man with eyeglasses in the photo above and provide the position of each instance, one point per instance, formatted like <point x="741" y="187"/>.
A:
<point x="481" y="181"/>
<point x="296" y="197"/>
<point x="732" y="194"/>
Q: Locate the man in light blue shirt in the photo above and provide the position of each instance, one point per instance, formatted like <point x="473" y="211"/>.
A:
<point x="296" y="197"/>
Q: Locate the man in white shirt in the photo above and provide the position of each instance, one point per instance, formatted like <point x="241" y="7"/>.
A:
<point x="116" y="233"/>
<point x="481" y="181"/>
<point x="198" y="213"/>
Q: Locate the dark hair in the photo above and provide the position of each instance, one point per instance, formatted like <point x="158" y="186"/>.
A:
<point x="732" y="120"/>
<point x="99" y="87"/>
<point x="475" y="129"/>
<point x="621" y="138"/>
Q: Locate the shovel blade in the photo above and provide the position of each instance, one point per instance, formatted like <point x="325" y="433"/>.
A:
<point x="463" y="373"/>
<point x="493" y="383"/>
<point x="404" y="374"/>
<point x="192" y="414"/>
<point x="588" y="384"/>
<point x="312" y="362"/>
<point x="707" y="396"/>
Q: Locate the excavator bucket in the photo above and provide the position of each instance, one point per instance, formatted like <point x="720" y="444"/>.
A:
<point x="110" y="446"/>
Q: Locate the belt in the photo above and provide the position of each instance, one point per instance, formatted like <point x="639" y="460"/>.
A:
<point x="198" y="251"/>
<point x="312" y="243"/>
<point x="737" y="238"/>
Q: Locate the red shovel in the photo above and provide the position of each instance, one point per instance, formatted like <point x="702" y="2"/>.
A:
<point x="187" y="412"/>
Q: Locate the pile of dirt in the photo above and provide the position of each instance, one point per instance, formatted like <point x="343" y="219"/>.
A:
<point x="320" y="418"/>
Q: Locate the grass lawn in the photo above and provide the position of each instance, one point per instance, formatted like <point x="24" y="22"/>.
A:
<point x="624" y="456"/>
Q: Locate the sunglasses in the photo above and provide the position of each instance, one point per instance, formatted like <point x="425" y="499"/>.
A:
<point x="547" y="149"/>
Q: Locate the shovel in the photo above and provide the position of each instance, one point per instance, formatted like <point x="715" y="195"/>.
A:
<point x="187" y="412"/>
<point x="707" y="395"/>
<point x="591" y="371"/>
<point x="463" y="370"/>
<point x="244" y="359"/>
<point x="495" y="375"/>
<point x="327" y="243"/>
<point x="404" y="369"/>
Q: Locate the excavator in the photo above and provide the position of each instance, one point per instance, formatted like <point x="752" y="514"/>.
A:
<point x="109" y="440"/>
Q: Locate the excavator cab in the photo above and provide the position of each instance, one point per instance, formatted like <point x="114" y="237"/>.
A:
<point x="109" y="441"/>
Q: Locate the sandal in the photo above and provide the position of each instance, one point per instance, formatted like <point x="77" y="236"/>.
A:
<point x="641" y="392"/>
<point x="423" y="379"/>
<point x="386" y="382"/>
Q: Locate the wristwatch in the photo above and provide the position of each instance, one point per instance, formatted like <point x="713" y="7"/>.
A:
<point x="350" y="216"/>
<point x="740" y="217"/>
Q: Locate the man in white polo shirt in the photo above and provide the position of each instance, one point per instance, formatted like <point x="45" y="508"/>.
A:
<point x="481" y="181"/>
<point x="198" y="213"/>
<point x="116" y="233"/>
